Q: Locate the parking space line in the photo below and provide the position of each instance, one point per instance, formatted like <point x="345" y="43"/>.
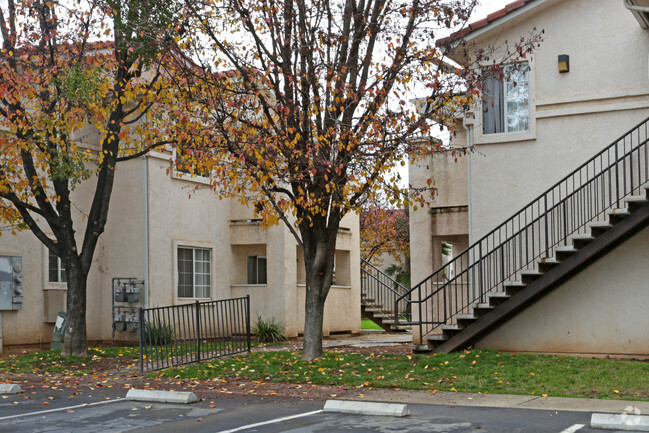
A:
<point x="40" y="412"/>
<point x="573" y="428"/>
<point x="272" y="421"/>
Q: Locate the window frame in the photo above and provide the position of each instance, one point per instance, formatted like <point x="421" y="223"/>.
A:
<point x="256" y="258"/>
<point x="505" y="137"/>
<point x="61" y="274"/>
<point x="194" y="274"/>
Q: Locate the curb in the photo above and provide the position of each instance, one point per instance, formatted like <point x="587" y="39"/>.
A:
<point x="366" y="408"/>
<point x="623" y="422"/>
<point x="161" y="396"/>
<point x="10" y="388"/>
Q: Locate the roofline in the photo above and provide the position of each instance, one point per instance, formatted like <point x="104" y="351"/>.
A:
<point x="499" y="18"/>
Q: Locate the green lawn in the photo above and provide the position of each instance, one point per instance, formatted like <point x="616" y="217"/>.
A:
<point x="470" y="371"/>
<point x="368" y="324"/>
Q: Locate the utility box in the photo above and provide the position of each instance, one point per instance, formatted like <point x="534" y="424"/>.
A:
<point x="11" y="283"/>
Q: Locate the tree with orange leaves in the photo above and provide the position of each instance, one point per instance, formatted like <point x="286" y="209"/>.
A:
<point x="315" y="111"/>
<point x="71" y="109"/>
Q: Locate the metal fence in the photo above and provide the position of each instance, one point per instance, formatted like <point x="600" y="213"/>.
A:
<point x="189" y="333"/>
<point x="563" y="211"/>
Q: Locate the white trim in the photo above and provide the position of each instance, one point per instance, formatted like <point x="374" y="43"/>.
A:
<point x="272" y="421"/>
<point x="479" y="137"/>
<point x="177" y="243"/>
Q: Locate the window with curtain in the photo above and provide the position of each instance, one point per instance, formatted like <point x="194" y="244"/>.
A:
<point x="194" y="272"/>
<point x="506" y="101"/>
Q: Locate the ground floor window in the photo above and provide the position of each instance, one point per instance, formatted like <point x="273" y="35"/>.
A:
<point x="194" y="272"/>
<point x="257" y="269"/>
<point x="56" y="269"/>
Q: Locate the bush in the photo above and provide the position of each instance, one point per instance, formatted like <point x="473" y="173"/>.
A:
<point x="269" y="331"/>
<point x="158" y="334"/>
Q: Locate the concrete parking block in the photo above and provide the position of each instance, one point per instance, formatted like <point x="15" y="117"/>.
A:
<point x="156" y="396"/>
<point x="623" y="422"/>
<point x="366" y="408"/>
<point x="10" y="388"/>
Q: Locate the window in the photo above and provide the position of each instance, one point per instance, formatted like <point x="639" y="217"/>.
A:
<point x="506" y="104"/>
<point x="256" y="270"/>
<point x="194" y="272"/>
<point x="57" y="272"/>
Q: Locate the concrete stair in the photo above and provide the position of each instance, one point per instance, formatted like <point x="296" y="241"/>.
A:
<point x="580" y="250"/>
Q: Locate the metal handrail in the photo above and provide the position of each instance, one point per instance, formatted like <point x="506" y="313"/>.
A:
<point x="381" y="287"/>
<point x="581" y="197"/>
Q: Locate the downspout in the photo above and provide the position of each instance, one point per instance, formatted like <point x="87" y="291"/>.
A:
<point x="468" y="201"/>
<point x="146" y="230"/>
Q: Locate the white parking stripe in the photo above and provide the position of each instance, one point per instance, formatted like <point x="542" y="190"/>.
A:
<point x="272" y="421"/>
<point x="40" y="412"/>
<point x="573" y="428"/>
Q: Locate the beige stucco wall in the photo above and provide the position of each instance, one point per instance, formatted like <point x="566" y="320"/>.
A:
<point x="179" y="215"/>
<point x="603" y="310"/>
<point x="573" y="115"/>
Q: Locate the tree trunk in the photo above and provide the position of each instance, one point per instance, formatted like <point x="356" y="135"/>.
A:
<point x="319" y="247"/>
<point x="75" y="336"/>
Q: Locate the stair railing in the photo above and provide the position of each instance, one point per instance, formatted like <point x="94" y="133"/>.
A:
<point x="382" y="289"/>
<point x="564" y="210"/>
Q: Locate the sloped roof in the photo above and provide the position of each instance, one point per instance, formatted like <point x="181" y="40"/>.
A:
<point x="494" y="16"/>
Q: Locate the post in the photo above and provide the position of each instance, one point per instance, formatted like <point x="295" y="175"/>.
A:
<point x="248" y="320"/>
<point x="198" y="331"/>
<point x="140" y="318"/>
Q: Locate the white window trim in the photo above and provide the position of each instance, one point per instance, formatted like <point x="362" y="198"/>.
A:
<point x="506" y="137"/>
<point x="192" y="244"/>
<point x="47" y="284"/>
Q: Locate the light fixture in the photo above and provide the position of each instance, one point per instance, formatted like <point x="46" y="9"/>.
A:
<point x="564" y="63"/>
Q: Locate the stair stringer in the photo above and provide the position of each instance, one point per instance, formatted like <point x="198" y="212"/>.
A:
<point x="550" y="280"/>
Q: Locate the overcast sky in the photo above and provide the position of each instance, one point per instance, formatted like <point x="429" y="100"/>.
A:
<point x="488" y="6"/>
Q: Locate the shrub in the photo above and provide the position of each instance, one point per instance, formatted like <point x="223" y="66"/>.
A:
<point x="269" y="331"/>
<point x="158" y="334"/>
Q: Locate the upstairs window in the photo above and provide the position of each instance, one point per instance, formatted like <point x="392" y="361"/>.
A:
<point x="506" y="101"/>
<point x="194" y="272"/>
<point x="56" y="269"/>
<point x="257" y="270"/>
<point x="186" y="161"/>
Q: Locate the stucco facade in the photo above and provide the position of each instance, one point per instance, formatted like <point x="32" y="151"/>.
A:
<point x="154" y="216"/>
<point x="572" y="115"/>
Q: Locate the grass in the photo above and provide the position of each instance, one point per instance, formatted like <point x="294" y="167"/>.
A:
<point x="51" y="361"/>
<point x="470" y="371"/>
<point x="368" y="324"/>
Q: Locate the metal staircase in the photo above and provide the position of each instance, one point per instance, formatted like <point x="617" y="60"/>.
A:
<point x="596" y="207"/>
<point x="379" y="293"/>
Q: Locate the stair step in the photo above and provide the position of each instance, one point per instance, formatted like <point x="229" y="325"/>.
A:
<point x="513" y="287"/>
<point x="497" y="298"/>
<point x="529" y="275"/>
<point x="581" y="239"/>
<point x="373" y="310"/>
<point x="481" y="309"/>
<point x="399" y="328"/>
<point x="617" y="214"/>
<point x="450" y="330"/>
<point x="465" y="317"/>
<point x="388" y="321"/>
<point x="435" y="340"/>
<point x="636" y="201"/>
<point x="564" y="251"/>
<point x="547" y="263"/>
<point x="599" y="227"/>
<point x="421" y="348"/>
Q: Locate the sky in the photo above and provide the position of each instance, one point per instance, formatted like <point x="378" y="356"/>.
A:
<point x="488" y="6"/>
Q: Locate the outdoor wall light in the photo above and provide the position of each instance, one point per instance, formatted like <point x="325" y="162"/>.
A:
<point x="564" y="63"/>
